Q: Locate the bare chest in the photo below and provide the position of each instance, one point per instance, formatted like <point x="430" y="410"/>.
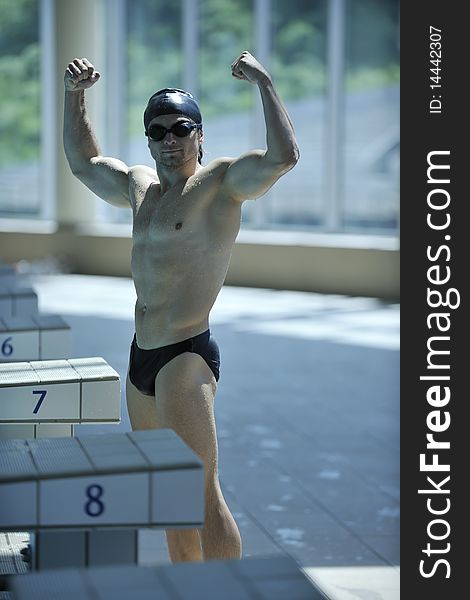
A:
<point x="189" y="222"/>
<point x="174" y="215"/>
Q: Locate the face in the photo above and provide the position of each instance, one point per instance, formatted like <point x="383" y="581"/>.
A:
<point x="174" y="151"/>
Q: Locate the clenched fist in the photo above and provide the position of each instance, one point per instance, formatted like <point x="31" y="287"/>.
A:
<point x="247" y="67"/>
<point x="79" y="75"/>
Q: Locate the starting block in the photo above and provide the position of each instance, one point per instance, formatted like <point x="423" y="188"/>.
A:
<point x="139" y="479"/>
<point x="37" y="337"/>
<point x="8" y="274"/>
<point x="26" y="431"/>
<point x="17" y="300"/>
<point x="59" y="549"/>
<point x="100" y="404"/>
<point x="265" y="578"/>
<point x="78" y="390"/>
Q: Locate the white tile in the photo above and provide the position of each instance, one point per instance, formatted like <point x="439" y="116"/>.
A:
<point x="357" y="583"/>
<point x="18" y="505"/>
<point x="6" y="306"/>
<point x="14" y="374"/>
<point x="10" y="431"/>
<point x="112" y="547"/>
<point x="19" y="345"/>
<point x="93" y="368"/>
<point x="101" y="401"/>
<point x="25" y="304"/>
<point x="96" y="500"/>
<point x="52" y="430"/>
<point x="178" y="496"/>
<point x="54" y="343"/>
<point x="41" y="402"/>
<point x="53" y="371"/>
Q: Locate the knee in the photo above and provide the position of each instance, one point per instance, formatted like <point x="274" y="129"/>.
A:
<point x="214" y="499"/>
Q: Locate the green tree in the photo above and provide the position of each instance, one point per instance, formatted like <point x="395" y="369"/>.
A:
<point x="154" y="53"/>
<point x="19" y="81"/>
<point x="298" y="33"/>
<point x="372" y="43"/>
<point x="225" y="30"/>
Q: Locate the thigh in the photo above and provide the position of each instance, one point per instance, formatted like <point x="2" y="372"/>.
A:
<point x="185" y="389"/>
<point x="142" y="409"/>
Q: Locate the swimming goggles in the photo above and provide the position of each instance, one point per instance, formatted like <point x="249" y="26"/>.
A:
<point x="182" y="129"/>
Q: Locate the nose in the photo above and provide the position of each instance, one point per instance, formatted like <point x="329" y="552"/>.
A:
<point x="169" y="138"/>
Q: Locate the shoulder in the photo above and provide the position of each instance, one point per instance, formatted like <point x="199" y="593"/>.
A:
<point x="141" y="179"/>
<point x="217" y="166"/>
<point x="140" y="172"/>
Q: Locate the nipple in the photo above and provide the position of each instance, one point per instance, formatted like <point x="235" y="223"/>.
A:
<point x="144" y="308"/>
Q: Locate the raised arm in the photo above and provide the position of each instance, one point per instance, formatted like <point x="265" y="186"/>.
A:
<point x="254" y="172"/>
<point x="107" y="177"/>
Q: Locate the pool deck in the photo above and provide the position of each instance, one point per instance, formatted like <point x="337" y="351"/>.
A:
<point x="307" y="414"/>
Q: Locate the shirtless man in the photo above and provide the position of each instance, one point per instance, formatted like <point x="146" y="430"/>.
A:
<point x="185" y="220"/>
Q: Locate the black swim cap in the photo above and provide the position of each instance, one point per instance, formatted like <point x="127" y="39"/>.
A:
<point x="172" y="101"/>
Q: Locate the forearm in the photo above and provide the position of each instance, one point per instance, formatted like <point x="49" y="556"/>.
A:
<point x="280" y="137"/>
<point x="80" y="143"/>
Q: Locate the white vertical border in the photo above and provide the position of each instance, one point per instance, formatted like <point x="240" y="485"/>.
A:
<point x="116" y="78"/>
<point x="335" y="114"/>
<point x="190" y="42"/>
<point x="114" y="96"/>
<point x="48" y="112"/>
<point x="262" y="43"/>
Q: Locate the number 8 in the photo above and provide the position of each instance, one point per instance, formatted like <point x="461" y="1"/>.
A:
<point x="94" y="500"/>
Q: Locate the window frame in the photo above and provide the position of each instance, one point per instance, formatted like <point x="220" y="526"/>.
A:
<point x="334" y="135"/>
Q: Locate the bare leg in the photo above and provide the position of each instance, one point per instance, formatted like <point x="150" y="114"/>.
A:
<point x="143" y="414"/>
<point x="220" y="537"/>
<point x="142" y="409"/>
<point x="185" y="390"/>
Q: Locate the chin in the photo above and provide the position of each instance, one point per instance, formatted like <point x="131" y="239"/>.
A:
<point x="173" y="161"/>
<point x="171" y="164"/>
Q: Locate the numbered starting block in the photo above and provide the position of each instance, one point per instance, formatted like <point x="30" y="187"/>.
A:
<point x="265" y="578"/>
<point x="17" y="300"/>
<point x="24" y="431"/>
<point x="37" y="337"/>
<point x="137" y="479"/>
<point x="7" y="274"/>
<point x="87" y="388"/>
<point x="78" y="390"/>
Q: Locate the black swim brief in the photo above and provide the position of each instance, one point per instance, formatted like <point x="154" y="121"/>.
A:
<point x="145" y="364"/>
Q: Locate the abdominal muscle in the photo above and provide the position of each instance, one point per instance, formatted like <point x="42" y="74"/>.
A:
<point x="175" y="292"/>
<point x="181" y="251"/>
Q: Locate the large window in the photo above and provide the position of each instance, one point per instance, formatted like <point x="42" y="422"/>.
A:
<point x="297" y="61"/>
<point x="335" y="64"/>
<point x="20" y="120"/>
<point x="371" y="117"/>
<point x="190" y="45"/>
<point x="154" y="59"/>
<point x="225" y="30"/>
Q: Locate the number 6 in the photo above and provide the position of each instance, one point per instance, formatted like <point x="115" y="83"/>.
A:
<point x="7" y="348"/>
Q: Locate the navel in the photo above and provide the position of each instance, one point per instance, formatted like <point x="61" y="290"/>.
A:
<point x="178" y="225"/>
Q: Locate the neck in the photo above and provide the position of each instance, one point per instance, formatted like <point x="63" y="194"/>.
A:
<point x="171" y="176"/>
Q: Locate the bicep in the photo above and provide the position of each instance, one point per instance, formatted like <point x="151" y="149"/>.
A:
<point x="108" y="178"/>
<point x="251" y="175"/>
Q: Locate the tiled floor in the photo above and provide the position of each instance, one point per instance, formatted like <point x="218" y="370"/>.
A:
<point x="308" y="421"/>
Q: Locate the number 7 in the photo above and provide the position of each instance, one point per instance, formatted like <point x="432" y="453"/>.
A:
<point x="40" y="401"/>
